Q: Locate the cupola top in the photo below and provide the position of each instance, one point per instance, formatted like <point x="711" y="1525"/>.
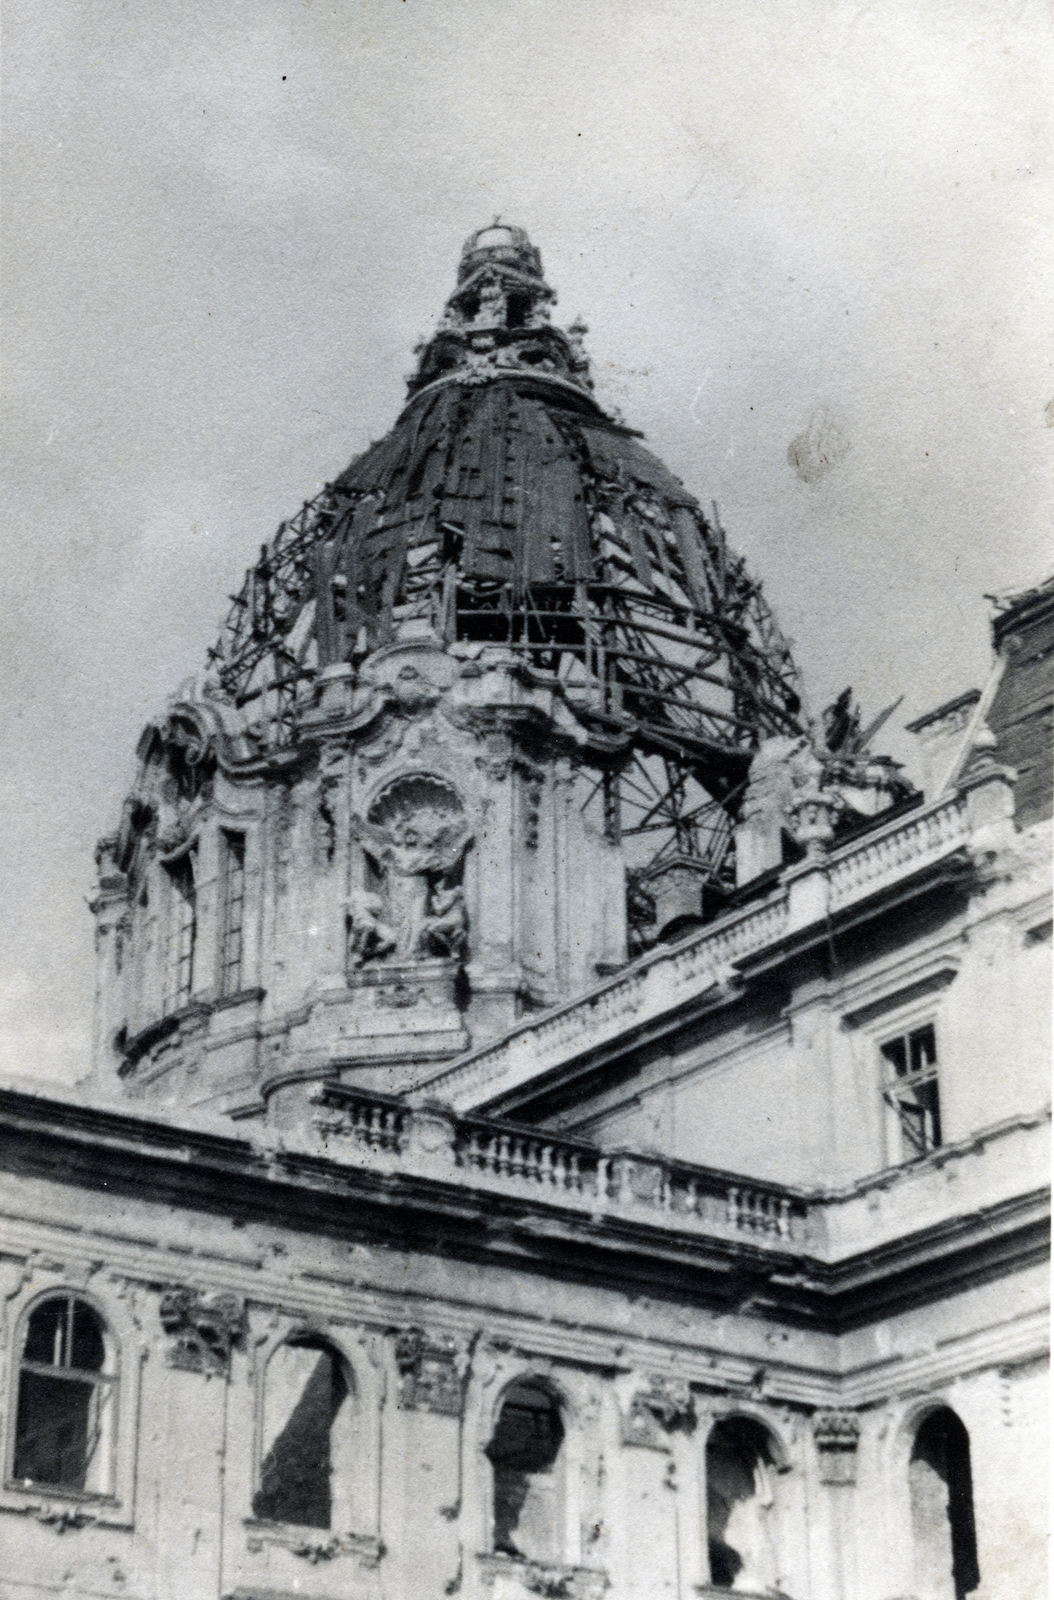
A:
<point x="501" y="244"/>
<point x="498" y="320"/>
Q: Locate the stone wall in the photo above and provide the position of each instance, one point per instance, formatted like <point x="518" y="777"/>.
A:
<point x="198" y="1300"/>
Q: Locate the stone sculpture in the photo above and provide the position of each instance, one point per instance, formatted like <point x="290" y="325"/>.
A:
<point x="415" y="837"/>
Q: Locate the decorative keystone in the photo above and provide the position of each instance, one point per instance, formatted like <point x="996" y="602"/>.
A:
<point x="662" y="1407"/>
<point x="203" y="1329"/>
<point x="837" y="1435"/>
<point x="431" y="1373"/>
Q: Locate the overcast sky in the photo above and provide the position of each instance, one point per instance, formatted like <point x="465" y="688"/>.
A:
<point x="227" y="221"/>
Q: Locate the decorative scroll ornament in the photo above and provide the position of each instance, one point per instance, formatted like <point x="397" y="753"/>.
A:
<point x="837" y="1435"/>
<point x="64" y="1518"/>
<point x="203" y="1328"/>
<point x="665" y="1406"/>
<point x="415" y="836"/>
<point x="431" y="1373"/>
<point x="550" y="1580"/>
<point x="366" y="1550"/>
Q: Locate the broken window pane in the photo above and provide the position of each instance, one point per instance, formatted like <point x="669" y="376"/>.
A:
<point x="525" y="1454"/>
<point x="305" y="1390"/>
<point x="910" y="1063"/>
<point x="64" y="1398"/>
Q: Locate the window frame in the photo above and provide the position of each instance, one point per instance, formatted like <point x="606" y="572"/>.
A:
<point x="102" y="1383"/>
<point x="889" y="1006"/>
<point x="359" y="1502"/>
<point x="175" y="994"/>
<point x="342" y="1499"/>
<point x="782" y="1513"/>
<point x="556" y="1491"/>
<point x="230" y="975"/>
<point x="125" y="1351"/>
<point x="901" y="1148"/>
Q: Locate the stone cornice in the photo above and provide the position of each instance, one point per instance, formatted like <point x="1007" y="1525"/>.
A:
<point x="636" y="1232"/>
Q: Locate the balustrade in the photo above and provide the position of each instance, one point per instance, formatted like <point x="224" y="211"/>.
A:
<point x="537" y="1161"/>
<point x="369" y="1123"/>
<point x="759" y="1211"/>
<point x="925" y="836"/>
<point x="499" y="1158"/>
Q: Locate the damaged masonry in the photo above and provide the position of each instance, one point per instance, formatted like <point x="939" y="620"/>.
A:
<point x="553" y="1128"/>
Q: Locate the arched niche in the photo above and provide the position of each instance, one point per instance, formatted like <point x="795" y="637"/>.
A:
<point x="527" y="1454"/>
<point x="307" y="1457"/>
<point x="743" y="1466"/>
<point x="940" y="1485"/>
<point x="411" y="906"/>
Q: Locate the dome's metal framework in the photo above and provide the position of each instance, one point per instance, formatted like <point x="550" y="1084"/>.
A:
<point x="506" y="508"/>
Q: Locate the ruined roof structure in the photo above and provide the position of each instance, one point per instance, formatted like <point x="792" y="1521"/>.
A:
<point x="562" y="1122"/>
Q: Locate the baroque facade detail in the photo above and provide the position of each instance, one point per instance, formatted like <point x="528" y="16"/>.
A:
<point x="576" y="1087"/>
<point x="431" y="1373"/>
<point x="202" y="1329"/>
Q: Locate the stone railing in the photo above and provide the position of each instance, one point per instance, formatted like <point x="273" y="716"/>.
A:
<point x="887" y="854"/>
<point x="389" y="1136"/>
<point x="701" y="966"/>
<point x="659" y="982"/>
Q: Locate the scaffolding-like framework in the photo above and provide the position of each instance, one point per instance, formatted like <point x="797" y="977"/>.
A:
<point x="509" y="515"/>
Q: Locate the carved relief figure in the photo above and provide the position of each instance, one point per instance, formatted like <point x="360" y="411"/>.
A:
<point x="369" y="938"/>
<point x="415" y="837"/>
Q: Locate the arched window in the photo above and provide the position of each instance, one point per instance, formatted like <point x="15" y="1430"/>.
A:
<point x="526" y="1455"/>
<point x="306" y="1411"/>
<point x="942" y="1521"/>
<point x="741" y="1496"/>
<point x="67" y="1398"/>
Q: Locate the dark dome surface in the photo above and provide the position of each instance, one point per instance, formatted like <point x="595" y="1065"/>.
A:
<point x="507" y="508"/>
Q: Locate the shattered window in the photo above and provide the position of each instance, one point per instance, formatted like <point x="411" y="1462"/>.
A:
<point x="306" y="1395"/>
<point x="525" y="1455"/>
<point x="910" y="1063"/>
<point x="66" y="1399"/>
<point x="741" y="1496"/>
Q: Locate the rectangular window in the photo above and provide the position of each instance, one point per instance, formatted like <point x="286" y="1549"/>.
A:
<point x="910" y="1068"/>
<point x="182" y="933"/>
<point x="233" y="913"/>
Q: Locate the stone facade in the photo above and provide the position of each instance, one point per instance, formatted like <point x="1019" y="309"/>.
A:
<point x="410" y="1240"/>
